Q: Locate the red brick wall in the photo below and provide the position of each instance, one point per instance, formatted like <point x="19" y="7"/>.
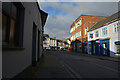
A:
<point x="88" y="21"/>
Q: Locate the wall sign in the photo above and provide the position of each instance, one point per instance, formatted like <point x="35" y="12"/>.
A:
<point x="98" y="41"/>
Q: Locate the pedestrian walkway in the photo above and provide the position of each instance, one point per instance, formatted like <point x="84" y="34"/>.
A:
<point x="48" y="67"/>
<point x="95" y="56"/>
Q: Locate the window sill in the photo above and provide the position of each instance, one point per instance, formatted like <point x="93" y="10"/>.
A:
<point x="12" y="48"/>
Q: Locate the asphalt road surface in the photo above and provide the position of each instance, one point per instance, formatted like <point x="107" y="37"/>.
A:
<point x="78" y="66"/>
<point x="71" y="65"/>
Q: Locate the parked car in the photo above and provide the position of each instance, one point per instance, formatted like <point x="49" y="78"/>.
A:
<point x="48" y="50"/>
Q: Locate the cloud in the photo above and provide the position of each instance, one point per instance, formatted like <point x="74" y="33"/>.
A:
<point x="58" y="26"/>
<point x="62" y="14"/>
<point x="79" y="0"/>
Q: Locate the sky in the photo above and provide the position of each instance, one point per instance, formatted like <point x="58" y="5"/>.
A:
<point x="62" y="14"/>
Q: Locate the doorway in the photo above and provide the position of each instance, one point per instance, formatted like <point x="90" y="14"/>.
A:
<point x="105" y="47"/>
<point x="34" y="45"/>
<point x="38" y="53"/>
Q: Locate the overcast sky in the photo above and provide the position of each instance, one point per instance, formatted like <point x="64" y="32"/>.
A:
<point x="62" y="14"/>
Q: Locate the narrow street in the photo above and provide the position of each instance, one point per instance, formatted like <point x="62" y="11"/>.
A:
<point x="63" y="64"/>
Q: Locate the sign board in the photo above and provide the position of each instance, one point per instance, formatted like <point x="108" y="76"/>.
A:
<point x="98" y="41"/>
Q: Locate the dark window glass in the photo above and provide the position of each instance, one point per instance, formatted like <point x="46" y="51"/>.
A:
<point x="6" y="7"/>
<point x="12" y="27"/>
<point x="13" y="11"/>
<point x="4" y="25"/>
<point x="12" y="23"/>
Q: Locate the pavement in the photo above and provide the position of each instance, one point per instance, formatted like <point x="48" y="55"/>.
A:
<point x="51" y="66"/>
<point x="96" y="56"/>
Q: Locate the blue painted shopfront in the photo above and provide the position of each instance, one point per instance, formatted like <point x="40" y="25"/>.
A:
<point x="99" y="47"/>
<point x="104" y="47"/>
<point x="91" y="45"/>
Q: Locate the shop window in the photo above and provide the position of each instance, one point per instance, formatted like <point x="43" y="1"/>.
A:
<point x="12" y="24"/>
<point x="105" y="48"/>
<point x="90" y="47"/>
<point x="117" y="49"/>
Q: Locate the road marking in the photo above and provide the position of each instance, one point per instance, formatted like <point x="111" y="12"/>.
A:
<point x="76" y="75"/>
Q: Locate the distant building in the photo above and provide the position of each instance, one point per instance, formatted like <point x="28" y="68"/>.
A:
<point x="68" y="41"/>
<point x="59" y="44"/>
<point x="22" y="36"/>
<point x="53" y="43"/>
<point x="49" y="43"/>
<point x="79" y="28"/>
<point x="103" y="37"/>
<point x="46" y="42"/>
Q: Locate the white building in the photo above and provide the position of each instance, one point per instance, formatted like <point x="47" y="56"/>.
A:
<point x="53" y="43"/>
<point x="22" y="36"/>
<point x="50" y="43"/>
<point x="103" y="37"/>
<point x="46" y="42"/>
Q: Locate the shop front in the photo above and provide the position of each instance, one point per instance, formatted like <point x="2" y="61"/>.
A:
<point x="117" y="47"/>
<point x="91" y="45"/>
<point x="76" y="46"/>
<point x="97" y="47"/>
<point x="104" y="47"/>
<point x="85" y="46"/>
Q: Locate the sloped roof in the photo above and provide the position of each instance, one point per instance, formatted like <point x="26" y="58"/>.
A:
<point x="46" y="35"/>
<point x="107" y="21"/>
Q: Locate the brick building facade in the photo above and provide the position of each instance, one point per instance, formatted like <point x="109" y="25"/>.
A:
<point x="81" y="25"/>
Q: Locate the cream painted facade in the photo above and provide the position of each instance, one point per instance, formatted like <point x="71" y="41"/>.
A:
<point x="111" y="35"/>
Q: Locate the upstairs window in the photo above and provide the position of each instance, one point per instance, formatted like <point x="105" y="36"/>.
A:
<point x="12" y="24"/>
<point x="91" y="36"/>
<point x="116" y="27"/>
<point x="79" y="33"/>
<point x="104" y="31"/>
<point x="96" y="34"/>
<point x="86" y="29"/>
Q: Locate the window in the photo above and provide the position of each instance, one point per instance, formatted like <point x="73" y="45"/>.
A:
<point x="78" y="24"/>
<point x="12" y="24"/>
<point x="117" y="49"/>
<point x="72" y="29"/>
<point x="96" y="34"/>
<point x="86" y="29"/>
<point x="104" y="31"/>
<point x="91" y="35"/>
<point x="116" y="27"/>
<point x="80" y="33"/>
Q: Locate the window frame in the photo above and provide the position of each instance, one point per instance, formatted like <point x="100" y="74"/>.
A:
<point x="18" y="28"/>
<point x="104" y="31"/>
<point x="96" y="33"/>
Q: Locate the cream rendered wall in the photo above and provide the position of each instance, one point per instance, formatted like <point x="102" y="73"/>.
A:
<point x="110" y="34"/>
<point x="16" y="60"/>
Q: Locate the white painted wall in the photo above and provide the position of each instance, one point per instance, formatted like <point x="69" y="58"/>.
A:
<point x="15" y="61"/>
<point x="110" y="33"/>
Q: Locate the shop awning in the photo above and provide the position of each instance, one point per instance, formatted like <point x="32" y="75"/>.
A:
<point x="117" y="42"/>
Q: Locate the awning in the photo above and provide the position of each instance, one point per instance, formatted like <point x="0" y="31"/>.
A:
<point x="117" y="42"/>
